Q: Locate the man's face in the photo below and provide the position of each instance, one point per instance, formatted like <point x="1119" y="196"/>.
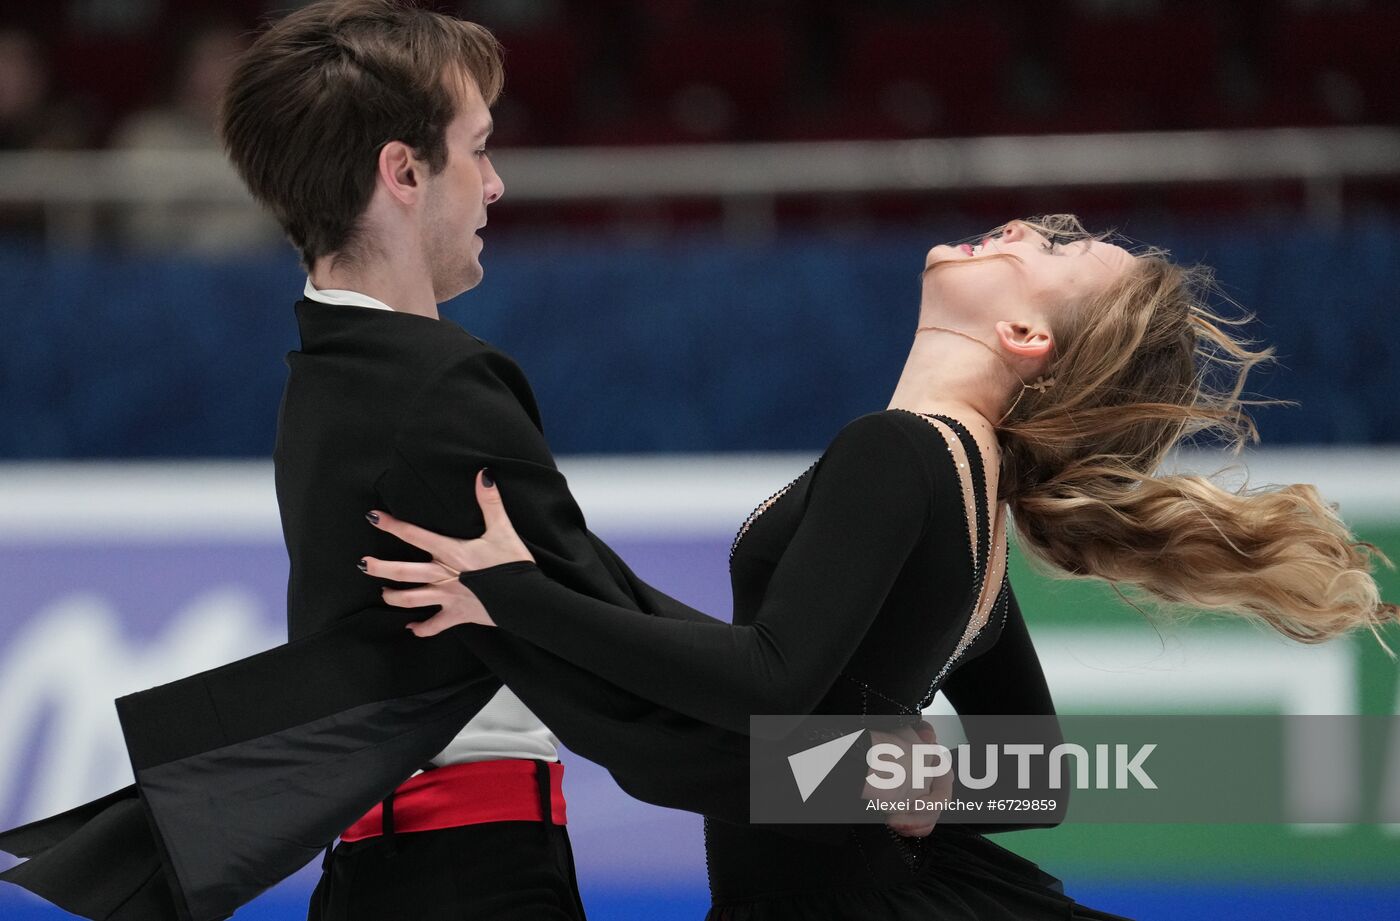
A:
<point x="455" y="207"/>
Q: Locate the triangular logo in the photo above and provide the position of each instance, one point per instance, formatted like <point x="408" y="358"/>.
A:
<point x="810" y="767"/>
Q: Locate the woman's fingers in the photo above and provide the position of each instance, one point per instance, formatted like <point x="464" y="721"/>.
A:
<point x="440" y="547"/>
<point x="415" y="597"/>
<point x="911" y="826"/>
<point x="434" y="625"/>
<point x="500" y="543"/>
<point x="458" y="605"/>
<point x="493" y="508"/>
<point x="407" y="572"/>
<point x="451" y="557"/>
<point x="488" y="497"/>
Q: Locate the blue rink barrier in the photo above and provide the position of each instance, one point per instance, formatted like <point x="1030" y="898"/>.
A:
<point x="1142" y="902"/>
<point x="686" y="345"/>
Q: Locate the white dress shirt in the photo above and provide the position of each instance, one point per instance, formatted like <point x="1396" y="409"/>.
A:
<point x="505" y="727"/>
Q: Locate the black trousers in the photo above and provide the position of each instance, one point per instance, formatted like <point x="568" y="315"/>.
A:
<point x="496" y="871"/>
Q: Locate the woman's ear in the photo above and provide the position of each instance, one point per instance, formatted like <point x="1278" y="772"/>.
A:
<point x="1029" y="340"/>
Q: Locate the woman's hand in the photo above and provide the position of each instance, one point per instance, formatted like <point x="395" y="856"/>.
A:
<point x="451" y="557"/>
<point x="918" y="822"/>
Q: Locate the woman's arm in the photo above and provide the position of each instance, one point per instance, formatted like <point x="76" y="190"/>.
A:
<point x="867" y="505"/>
<point x="1007" y="680"/>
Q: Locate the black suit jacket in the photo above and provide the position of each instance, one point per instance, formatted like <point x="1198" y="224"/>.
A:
<point x="245" y="772"/>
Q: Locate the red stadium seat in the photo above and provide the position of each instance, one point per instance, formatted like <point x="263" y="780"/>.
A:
<point x="1343" y="60"/>
<point x="544" y="69"/>
<point x="743" y="68"/>
<point x="842" y="121"/>
<point x="953" y="63"/>
<point x="632" y="130"/>
<point x="1148" y="70"/>
<point x="118" y="75"/>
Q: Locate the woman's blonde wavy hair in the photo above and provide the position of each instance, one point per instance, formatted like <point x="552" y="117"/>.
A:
<point x="1138" y="368"/>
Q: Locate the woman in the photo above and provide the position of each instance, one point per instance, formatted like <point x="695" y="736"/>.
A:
<point x="1050" y="373"/>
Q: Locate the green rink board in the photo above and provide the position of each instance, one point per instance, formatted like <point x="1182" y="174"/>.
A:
<point x="1361" y="852"/>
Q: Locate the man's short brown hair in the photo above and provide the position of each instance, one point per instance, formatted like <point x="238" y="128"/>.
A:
<point x="319" y="93"/>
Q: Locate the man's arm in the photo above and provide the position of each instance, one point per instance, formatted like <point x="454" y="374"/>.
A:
<point x="477" y="411"/>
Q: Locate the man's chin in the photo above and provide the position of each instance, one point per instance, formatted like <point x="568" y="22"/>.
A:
<point x="472" y="278"/>
<point x="461" y="285"/>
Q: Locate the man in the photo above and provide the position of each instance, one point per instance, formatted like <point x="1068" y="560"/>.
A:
<point x="361" y="125"/>
<point x="388" y="231"/>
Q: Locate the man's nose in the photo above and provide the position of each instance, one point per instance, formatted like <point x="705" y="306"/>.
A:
<point x="493" y="187"/>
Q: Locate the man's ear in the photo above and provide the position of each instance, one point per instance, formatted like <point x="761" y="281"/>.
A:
<point x="1026" y="339"/>
<point x="400" y="171"/>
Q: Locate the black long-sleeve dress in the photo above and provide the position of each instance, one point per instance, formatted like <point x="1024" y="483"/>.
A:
<point x="854" y="589"/>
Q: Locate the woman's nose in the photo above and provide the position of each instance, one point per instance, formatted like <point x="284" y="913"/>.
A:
<point x="1012" y="231"/>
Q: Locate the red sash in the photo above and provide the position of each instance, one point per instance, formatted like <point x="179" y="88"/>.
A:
<point x="467" y="794"/>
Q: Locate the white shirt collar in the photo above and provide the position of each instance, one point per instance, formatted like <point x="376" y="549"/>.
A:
<point x="342" y="298"/>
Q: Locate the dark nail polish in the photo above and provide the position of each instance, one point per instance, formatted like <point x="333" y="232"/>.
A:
<point x="364" y="567"/>
<point x="486" y="479"/>
<point x="372" y="517"/>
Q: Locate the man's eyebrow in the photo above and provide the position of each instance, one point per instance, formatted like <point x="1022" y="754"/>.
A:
<point x="484" y="132"/>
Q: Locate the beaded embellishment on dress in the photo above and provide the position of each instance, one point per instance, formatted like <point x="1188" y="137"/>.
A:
<point x="914" y="850"/>
<point x="764" y="506"/>
<point x="981" y="552"/>
<point x="999" y="608"/>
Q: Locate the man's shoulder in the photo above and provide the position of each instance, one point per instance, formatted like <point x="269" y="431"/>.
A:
<point x="457" y="354"/>
<point x="456" y="367"/>
<point x="442" y="344"/>
<point x="425" y="342"/>
<point x="419" y="365"/>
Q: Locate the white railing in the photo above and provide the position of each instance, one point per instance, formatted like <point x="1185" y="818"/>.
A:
<point x="622" y="494"/>
<point x="747" y="176"/>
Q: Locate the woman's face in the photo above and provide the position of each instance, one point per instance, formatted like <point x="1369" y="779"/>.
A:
<point x="961" y="285"/>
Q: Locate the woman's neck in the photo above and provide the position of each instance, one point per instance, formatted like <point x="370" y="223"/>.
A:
<point x="947" y="374"/>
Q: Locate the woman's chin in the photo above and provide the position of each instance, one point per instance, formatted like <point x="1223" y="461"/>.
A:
<point x="943" y="252"/>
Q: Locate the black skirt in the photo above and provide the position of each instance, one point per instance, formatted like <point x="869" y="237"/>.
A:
<point x="955" y="874"/>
